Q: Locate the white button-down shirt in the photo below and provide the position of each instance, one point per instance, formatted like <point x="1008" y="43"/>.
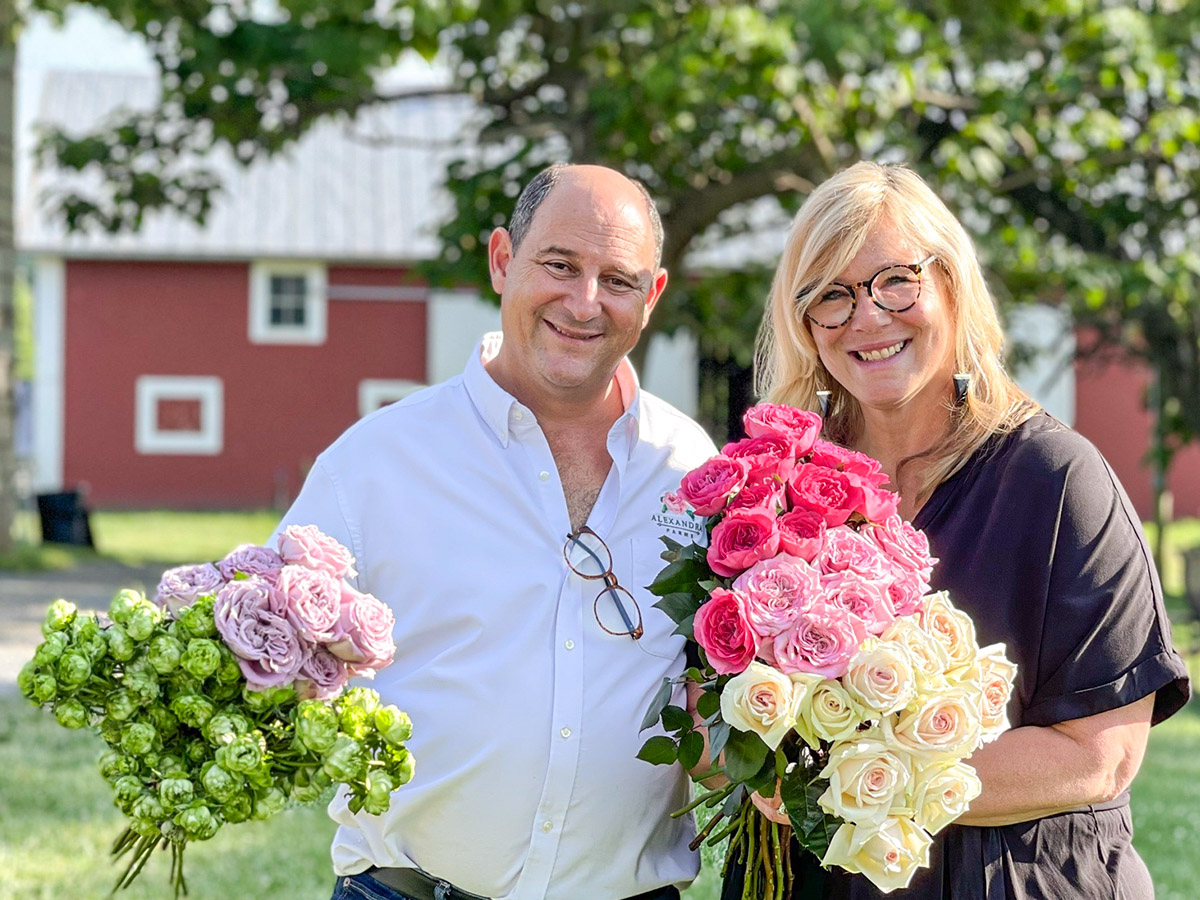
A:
<point x="525" y="712"/>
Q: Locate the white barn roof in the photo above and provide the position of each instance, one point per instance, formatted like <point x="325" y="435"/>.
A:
<point x="361" y="190"/>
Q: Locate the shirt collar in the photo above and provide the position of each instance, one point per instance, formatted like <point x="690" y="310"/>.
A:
<point x="497" y="407"/>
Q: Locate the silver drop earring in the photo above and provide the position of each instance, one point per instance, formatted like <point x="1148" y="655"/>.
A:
<point x="823" y="403"/>
<point x="962" y="384"/>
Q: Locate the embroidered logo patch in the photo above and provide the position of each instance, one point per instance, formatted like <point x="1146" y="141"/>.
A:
<point x="679" y="521"/>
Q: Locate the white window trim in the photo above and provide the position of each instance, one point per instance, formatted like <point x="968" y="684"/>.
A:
<point x="262" y="331"/>
<point x="375" y="392"/>
<point x="207" y="389"/>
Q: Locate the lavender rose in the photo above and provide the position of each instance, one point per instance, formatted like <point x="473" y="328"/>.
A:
<point x="183" y="585"/>
<point x="308" y="546"/>
<point x="251" y="559"/>
<point x="322" y="675"/>
<point x="312" y="602"/>
<point x="249" y="616"/>
<point x="367" y="625"/>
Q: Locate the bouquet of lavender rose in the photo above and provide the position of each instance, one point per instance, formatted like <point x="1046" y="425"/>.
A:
<point x="224" y="698"/>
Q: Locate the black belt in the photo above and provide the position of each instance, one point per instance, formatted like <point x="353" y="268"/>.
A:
<point x="423" y="886"/>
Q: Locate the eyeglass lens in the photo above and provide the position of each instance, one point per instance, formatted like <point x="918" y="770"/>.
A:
<point x="895" y="289"/>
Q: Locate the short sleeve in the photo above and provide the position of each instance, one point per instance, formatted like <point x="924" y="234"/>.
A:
<point x="319" y="504"/>
<point x="1106" y="639"/>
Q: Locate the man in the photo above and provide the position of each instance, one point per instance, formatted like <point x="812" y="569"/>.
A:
<point x="503" y="515"/>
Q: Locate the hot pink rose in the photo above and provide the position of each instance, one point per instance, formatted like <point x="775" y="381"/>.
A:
<point x="907" y="547"/>
<point x="822" y="641"/>
<point x="904" y="592"/>
<point x="801" y="533"/>
<point x="830" y="493"/>
<point x="322" y="675"/>
<point x="741" y="539"/>
<point x="183" y="585"/>
<point x="771" y="454"/>
<point x="722" y="630"/>
<point x="250" y="559"/>
<point x="308" y="546"/>
<point x="247" y="616"/>
<point x="798" y="425"/>
<point x="776" y="590"/>
<point x="877" y="503"/>
<point x="835" y="456"/>
<point x="768" y="492"/>
<point x="863" y="598"/>
<point x="708" y="487"/>
<point x="312" y="602"/>
<point x="845" y="549"/>
<point x="367" y="624"/>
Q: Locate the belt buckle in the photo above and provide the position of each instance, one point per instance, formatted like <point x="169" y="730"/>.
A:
<point x="441" y="890"/>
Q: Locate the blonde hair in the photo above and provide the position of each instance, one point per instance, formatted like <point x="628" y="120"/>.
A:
<point x="827" y="233"/>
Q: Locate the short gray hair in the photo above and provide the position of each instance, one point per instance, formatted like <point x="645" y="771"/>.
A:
<point x="539" y="189"/>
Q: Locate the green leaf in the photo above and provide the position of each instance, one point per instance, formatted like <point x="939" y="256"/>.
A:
<point x="708" y="704"/>
<point x="814" y="828"/>
<point x="686" y="628"/>
<point x="676" y="719"/>
<point x="745" y="755"/>
<point x="694" y="675"/>
<point x="659" y="751"/>
<point x="718" y="736"/>
<point x="679" y="606"/>
<point x="672" y="546"/>
<point x="691" y="748"/>
<point x="661" y="698"/>
<point x="682" y="576"/>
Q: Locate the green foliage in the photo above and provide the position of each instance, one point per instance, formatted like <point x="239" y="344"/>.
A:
<point x="814" y="828"/>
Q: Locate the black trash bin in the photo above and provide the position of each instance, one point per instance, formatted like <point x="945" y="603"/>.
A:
<point x="64" y="519"/>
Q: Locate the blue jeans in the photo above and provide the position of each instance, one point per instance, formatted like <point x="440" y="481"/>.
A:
<point x="364" y="887"/>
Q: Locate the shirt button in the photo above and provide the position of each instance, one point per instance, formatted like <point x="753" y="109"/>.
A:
<point x="518" y="415"/>
<point x="504" y="435"/>
<point x="565" y="732"/>
<point x="547" y="826"/>
<point x="545" y="476"/>
<point x="569" y="644"/>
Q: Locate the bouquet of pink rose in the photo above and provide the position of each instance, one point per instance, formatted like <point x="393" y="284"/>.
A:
<point x="829" y="673"/>
<point x="224" y="698"/>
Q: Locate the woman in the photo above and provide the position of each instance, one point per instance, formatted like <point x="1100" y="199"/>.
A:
<point x="879" y="299"/>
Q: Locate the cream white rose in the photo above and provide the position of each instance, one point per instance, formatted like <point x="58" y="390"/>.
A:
<point x="866" y="780"/>
<point x="760" y="699"/>
<point x="887" y="854"/>
<point x="943" y="726"/>
<point x="828" y="712"/>
<point x="880" y="676"/>
<point x="929" y="658"/>
<point x="996" y="675"/>
<point x="953" y="628"/>
<point x="941" y="793"/>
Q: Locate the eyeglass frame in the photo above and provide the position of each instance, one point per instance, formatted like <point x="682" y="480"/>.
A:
<point x="916" y="268"/>
<point x="611" y="585"/>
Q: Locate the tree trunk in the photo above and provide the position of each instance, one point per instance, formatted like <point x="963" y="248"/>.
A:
<point x="8" y="144"/>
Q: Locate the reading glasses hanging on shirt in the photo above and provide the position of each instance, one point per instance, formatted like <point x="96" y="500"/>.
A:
<point x="589" y="557"/>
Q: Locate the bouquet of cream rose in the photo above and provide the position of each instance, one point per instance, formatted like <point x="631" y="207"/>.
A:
<point x="828" y="671"/>
<point x="224" y="698"/>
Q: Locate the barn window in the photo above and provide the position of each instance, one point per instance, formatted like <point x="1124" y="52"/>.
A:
<point x="287" y="303"/>
<point x="179" y="414"/>
<point x="374" y="393"/>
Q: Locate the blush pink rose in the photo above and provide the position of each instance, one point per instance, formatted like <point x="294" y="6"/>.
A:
<point x="709" y="486"/>
<point x="367" y="625"/>
<point x="798" y="425"/>
<point x="845" y="549"/>
<point x="312" y="602"/>
<point x="183" y="585"/>
<point x="308" y="546"/>
<point x="674" y="502"/>
<point x="904" y="592"/>
<point x="776" y="590"/>
<point x="250" y="559"/>
<point x="248" y="617"/>
<point x="822" y="641"/>
<point x="825" y="491"/>
<point x="768" y="492"/>
<point x="904" y="545"/>
<point x="801" y="533"/>
<point x="741" y="539"/>
<point x="863" y="598"/>
<point x="322" y="675"/>
<point x="723" y="631"/>
<point x="834" y="456"/>
<point x="770" y="454"/>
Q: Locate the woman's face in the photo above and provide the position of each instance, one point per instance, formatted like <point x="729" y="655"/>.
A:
<point x="889" y="360"/>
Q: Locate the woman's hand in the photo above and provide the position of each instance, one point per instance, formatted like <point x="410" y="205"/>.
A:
<point x="772" y="808"/>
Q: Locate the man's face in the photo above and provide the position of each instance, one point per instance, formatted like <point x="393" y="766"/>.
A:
<point x="576" y="294"/>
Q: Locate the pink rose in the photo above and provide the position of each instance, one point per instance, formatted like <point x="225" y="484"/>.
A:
<point x="822" y="641"/>
<point x="308" y="546"/>
<point x="801" y="533"/>
<point x="830" y="493"/>
<point x="708" y="487"/>
<point x="877" y="504"/>
<point x="798" y="425"/>
<point x="845" y="549"/>
<point x="312" y="602"/>
<point x="322" y="675"/>
<point x="250" y="559"/>
<point x="834" y="456"/>
<point x="770" y="454"/>
<point x="674" y="502"/>
<point x="367" y="625"/>
<point x="722" y="630"/>
<point x="907" y="547"/>
<point x="775" y="591"/>
<point x="741" y="539"/>
<point x="248" y="616"/>
<point x="863" y="598"/>
<point x="768" y="492"/>
<point x="183" y="585"/>
<point x="904" y="592"/>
